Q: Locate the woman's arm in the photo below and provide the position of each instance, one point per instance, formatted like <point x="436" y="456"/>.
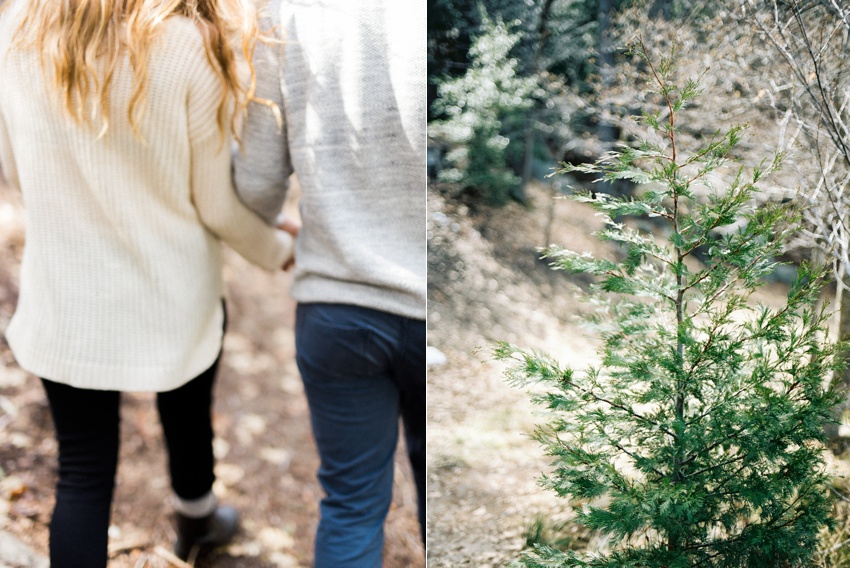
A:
<point x="7" y="157"/>
<point x="212" y="190"/>
<point x="227" y="217"/>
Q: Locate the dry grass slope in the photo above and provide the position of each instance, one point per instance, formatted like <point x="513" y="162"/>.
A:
<point x="486" y="285"/>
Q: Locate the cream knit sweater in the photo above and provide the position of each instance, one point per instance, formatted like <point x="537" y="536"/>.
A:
<point x="121" y="285"/>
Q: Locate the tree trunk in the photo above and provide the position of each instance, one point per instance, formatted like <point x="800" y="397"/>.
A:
<point x="841" y="304"/>
<point x="550" y="218"/>
<point x="660" y="8"/>
<point x="605" y="130"/>
<point x="842" y="310"/>
<point x="519" y="193"/>
<point x="534" y="68"/>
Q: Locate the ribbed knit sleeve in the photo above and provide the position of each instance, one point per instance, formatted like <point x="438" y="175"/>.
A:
<point x="7" y="158"/>
<point x="263" y="166"/>
<point x="212" y="190"/>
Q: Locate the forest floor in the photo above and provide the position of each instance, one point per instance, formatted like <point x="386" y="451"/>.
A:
<point x="266" y="457"/>
<point x="486" y="284"/>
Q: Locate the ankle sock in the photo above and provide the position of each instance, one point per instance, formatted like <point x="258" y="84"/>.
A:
<point x="195" y="508"/>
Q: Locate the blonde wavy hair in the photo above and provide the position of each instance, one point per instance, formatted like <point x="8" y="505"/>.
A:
<point x="81" y="42"/>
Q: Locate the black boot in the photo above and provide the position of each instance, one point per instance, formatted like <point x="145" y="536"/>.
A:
<point x="196" y="536"/>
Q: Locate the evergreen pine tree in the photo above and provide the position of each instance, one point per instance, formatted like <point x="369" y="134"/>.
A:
<point x="482" y="108"/>
<point x="696" y="441"/>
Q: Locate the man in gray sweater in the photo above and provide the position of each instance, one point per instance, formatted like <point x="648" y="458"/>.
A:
<point x="349" y="80"/>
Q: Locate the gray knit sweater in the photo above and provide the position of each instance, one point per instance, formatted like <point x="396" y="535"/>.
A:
<point x="349" y="79"/>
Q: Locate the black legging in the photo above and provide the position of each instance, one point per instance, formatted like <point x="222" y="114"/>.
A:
<point x="87" y="430"/>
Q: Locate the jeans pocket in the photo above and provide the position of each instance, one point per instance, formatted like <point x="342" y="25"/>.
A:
<point x="336" y="349"/>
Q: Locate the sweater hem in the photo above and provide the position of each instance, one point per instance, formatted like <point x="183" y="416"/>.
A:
<point x="117" y="377"/>
<point x="395" y="302"/>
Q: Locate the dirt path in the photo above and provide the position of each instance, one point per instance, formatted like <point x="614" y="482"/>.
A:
<point x="264" y="447"/>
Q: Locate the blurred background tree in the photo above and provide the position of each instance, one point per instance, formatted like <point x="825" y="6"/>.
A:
<point x="482" y="109"/>
<point x="561" y="59"/>
<point x="811" y="39"/>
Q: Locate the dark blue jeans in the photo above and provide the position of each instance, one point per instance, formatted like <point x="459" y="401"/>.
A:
<point x="87" y="429"/>
<point x="362" y="370"/>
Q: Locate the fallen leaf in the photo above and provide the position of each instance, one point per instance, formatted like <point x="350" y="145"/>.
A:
<point x="229" y="474"/>
<point x="277" y="456"/>
<point x="12" y="487"/>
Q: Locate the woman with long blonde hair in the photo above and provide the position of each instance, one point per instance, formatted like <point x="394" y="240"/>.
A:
<point x="115" y="124"/>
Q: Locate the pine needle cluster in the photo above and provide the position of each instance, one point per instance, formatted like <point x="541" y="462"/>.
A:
<point x="696" y="441"/>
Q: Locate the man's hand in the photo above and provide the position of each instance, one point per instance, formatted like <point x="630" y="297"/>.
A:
<point x="290" y="225"/>
<point x="293" y="227"/>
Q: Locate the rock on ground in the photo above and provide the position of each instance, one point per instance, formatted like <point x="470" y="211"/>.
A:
<point x="15" y="554"/>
